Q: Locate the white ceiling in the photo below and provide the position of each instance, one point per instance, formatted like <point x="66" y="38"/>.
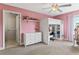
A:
<point x="38" y="7"/>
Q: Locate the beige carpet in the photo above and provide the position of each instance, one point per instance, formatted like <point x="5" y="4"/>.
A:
<point x="55" y="48"/>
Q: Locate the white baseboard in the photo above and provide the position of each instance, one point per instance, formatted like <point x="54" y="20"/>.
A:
<point x="1" y="48"/>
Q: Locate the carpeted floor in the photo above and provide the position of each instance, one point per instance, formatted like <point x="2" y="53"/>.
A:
<point x="55" y="48"/>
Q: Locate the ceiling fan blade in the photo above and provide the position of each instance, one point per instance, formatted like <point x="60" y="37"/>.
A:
<point x="46" y="8"/>
<point x="59" y="10"/>
<point x="66" y="5"/>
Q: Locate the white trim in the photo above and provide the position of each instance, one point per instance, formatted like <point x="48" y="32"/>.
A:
<point x="20" y="29"/>
<point x="3" y="30"/>
<point x="4" y="24"/>
<point x="14" y="12"/>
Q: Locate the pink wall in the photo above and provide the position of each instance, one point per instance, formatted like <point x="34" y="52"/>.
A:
<point x="25" y="27"/>
<point x="65" y="19"/>
<point x="67" y="22"/>
<point x="1" y="34"/>
<point x="28" y="26"/>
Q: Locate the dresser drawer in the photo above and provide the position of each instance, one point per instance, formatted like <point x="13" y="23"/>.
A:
<point x="31" y="38"/>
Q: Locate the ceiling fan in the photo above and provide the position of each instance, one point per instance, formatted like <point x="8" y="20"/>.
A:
<point x="56" y="7"/>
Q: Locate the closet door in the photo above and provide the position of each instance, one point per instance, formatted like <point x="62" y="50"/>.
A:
<point x="10" y="29"/>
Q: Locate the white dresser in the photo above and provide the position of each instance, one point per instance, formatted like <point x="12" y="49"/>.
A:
<point x="32" y="38"/>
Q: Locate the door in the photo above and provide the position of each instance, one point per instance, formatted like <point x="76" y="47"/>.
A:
<point x="10" y="30"/>
<point x="11" y="27"/>
<point x="58" y="31"/>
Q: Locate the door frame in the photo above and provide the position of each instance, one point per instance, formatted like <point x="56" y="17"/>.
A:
<point x="4" y="25"/>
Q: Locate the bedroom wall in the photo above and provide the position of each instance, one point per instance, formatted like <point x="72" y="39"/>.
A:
<point x="27" y="26"/>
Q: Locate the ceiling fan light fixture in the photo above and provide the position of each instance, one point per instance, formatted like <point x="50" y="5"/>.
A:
<point x="55" y="7"/>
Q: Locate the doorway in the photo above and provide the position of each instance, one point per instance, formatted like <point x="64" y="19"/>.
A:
<point x="54" y="31"/>
<point x="11" y="29"/>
